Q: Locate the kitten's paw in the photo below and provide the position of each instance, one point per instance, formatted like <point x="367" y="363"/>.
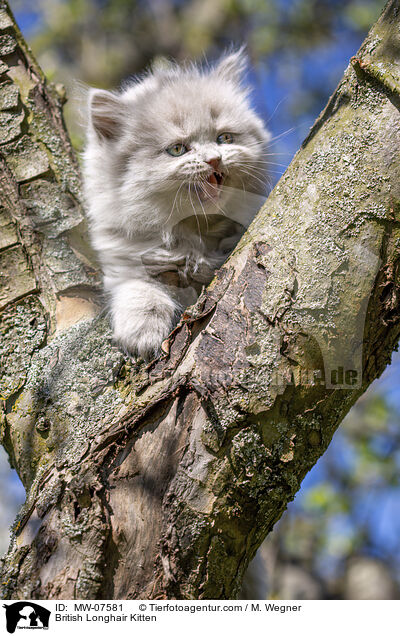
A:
<point x="143" y="315"/>
<point x="144" y="338"/>
<point x="147" y="343"/>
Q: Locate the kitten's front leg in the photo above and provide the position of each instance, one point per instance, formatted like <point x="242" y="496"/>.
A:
<point x="143" y="314"/>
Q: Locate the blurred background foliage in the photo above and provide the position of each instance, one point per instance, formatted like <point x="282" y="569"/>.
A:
<point x="340" y="538"/>
<point x="298" y="48"/>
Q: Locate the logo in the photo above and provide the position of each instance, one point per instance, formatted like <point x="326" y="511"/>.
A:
<point x="26" y="615"/>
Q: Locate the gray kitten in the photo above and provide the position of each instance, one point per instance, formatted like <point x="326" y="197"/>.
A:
<point x="171" y="167"/>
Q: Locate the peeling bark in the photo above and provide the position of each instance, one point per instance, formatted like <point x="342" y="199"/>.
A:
<point x="161" y="481"/>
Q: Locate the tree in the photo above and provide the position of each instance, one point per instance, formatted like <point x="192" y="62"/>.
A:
<point x="162" y="480"/>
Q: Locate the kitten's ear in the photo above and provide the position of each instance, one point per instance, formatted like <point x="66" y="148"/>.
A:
<point x="233" y="66"/>
<point x="106" y="112"/>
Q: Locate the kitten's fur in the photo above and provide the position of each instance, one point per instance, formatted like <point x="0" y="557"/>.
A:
<point x="162" y="224"/>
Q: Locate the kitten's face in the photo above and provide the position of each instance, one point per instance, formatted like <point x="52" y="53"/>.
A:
<point x="188" y="139"/>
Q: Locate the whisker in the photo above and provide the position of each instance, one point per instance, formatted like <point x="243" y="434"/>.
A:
<point x="264" y="162"/>
<point x="173" y="204"/>
<point x="210" y="197"/>
<point x="283" y="134"/>
<point x="219" y="208"/>
<point x="202" y="207"/>
<point x="253" y="176"/>
<point x="257" y="169"/>
<point x="276" y="108"/>
<point x="250" y="166"/>
<point x="194" y="210"/>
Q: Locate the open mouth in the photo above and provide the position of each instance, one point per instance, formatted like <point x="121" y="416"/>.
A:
<point x="216" y="178"/>
<point x="210" y="189"/>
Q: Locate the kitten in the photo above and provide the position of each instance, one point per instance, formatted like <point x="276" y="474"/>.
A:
<point x="167" y="163"/>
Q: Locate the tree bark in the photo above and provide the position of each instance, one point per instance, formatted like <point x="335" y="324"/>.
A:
<point x="161" y="481"/>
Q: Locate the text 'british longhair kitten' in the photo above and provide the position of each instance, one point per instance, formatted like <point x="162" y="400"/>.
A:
<point x="174" y="170"/>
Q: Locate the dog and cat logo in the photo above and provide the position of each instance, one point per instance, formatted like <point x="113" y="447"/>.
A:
<point x="26" y="615"/>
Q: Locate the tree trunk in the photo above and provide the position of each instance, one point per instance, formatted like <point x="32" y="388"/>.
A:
<point x="161" y="481"/>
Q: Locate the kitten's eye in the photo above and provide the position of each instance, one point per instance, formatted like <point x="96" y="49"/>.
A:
<point x="176" y="150"/>
<point x="225" y="138"/>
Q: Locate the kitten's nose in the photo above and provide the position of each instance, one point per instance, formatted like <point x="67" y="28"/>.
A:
<point x="214" y="163"/>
